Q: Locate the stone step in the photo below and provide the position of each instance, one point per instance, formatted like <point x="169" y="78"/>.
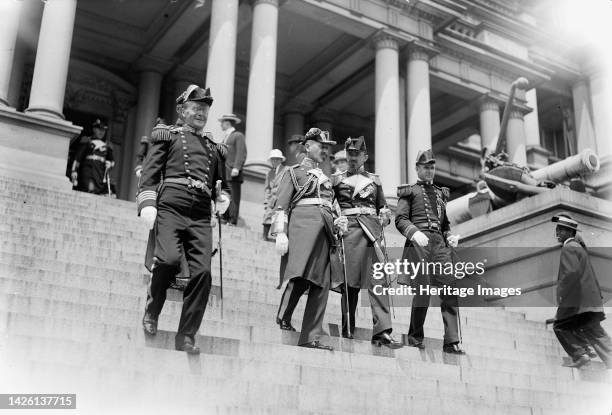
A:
<point x="235" y="295"/>
<point x="122" y="332"/>
<point x="442" y="382"/>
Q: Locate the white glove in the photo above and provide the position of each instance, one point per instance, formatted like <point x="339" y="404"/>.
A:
<point x="453" y="240"/>
<point x="74" y="176"/>
<point x="148" y="214"/>
<point x="138" y="173"/>
<point x="282" y="243"/>
<point x="235" y="172"/>
<point x="341" y="224"/>
<point x="385" y="216"/>
<point x="420" y="238"/>
<point x="222" y="203"/>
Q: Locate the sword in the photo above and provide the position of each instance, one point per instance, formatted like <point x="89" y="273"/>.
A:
<point x="348" y="311"/>
<point x="387" y="277"/>
<point x="220" y="250"/>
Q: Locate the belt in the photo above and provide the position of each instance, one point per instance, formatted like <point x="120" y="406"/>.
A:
<point x="190" y="183"/>
<point x="97" y="158"/>
<point x="359" y="211"/>
<point x="434" y="227"/>
<point x="314" y="201"/>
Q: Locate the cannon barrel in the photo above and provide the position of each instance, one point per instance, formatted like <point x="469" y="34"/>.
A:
<point x="586" y="162"/>
<point x="569" y="168"/>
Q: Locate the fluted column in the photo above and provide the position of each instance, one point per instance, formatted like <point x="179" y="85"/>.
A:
<point x="418" y="108"/>
<point x="489" y="123"/>
<point x="387" y="124"/>
<point x="262" y="80"/>
<point x="294" y="125"/>
<point x="532" y="123"/>
<point x="583" y="116"/>
<point x="147" y="110"/>
<point x="515" y="138"/>
<point x="600" y="89"/>
<point x="10" y="11"/>
<point x="52" y="57"/>
<point x="221" y="61"/>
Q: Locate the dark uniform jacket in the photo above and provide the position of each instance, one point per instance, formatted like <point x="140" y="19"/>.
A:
<point x="92" y="156"/>
<point x="578" y="290"/>
<point x="310" y="228"/>
<point x="236" y="155"/>
<point x="179" y="153"/>
<point x="364" y="191"/>
<point x="422" y="207"/>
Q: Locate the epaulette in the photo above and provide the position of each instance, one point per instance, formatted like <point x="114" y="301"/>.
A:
<point x="337" y="177"/>
<point x="404" y="190"/>
<point x="161" y="132"/>
<point x="222" y="149"/>
<point x="375" y="178"/>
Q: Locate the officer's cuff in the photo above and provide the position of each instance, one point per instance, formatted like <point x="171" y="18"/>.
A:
<point x="279" y="223"/>
<point x="411" y="231"/>
<point x="146" y="198"/>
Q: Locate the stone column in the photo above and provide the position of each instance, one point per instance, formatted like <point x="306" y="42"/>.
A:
<point x="147" y="110"/>
<point x="532" y="123"/>
<point x="403" y="128"/>
<point x="294" y="124"/>
<point x="583" y="116"/>
<point x="262" y="81"/>
<point x="489" y="122"/>
<point x="387" y="123"/>
<point x="52" y="57"/>
<point x="515" y="138"/>
<point x="10" y="11"/>
<point x="221" y="65"/>
<point x="419" y="107"/>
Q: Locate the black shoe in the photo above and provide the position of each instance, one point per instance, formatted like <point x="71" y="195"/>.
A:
<point x="453" y="349"/>
<point x="149" y="324"/>
<point x="580" y="361"/>
<point x="316" y="345"/>
<point x="346" y="335"/>
<point x="286" y="325"/>
<point x="415" y="343"/>
<point x="385" y="339"/>
<point x="187" y="346"/>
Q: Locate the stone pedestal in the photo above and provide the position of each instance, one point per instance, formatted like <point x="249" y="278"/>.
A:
<point x="35" y="147"/>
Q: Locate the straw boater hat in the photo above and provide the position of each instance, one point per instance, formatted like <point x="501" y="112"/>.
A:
<point x="230" y="117"/>
<point x="564" y="219"/>
<point x="276" y="154"/>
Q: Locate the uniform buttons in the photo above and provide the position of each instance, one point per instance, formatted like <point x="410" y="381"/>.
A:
<point x="186" y="156"/>
<point x="184" y="148"/>
<point x="185" y="142"/>
<point x="186" y="163"/>
<point x="188" y="171"/>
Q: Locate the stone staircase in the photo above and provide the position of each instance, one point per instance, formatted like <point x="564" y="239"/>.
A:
<point x="72" y="292"/>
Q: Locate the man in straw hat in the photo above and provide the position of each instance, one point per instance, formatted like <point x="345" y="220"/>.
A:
<point x="236" y="156"/>
<point x="578" y="319"/>
<point x="271" y="188"/>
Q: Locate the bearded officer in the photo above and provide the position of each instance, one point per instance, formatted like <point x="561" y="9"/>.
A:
<point x="421" y="218"/>
<point x="93" y="159"/>
<point x="304" y="229"/>
<point x="190" y="164"/>
<point x="361" y="199"/>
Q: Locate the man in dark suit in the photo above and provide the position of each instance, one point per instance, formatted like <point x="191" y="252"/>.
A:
<point x="421" y="217"/>
<point x="578" y="320"/>
<point x="236" y="156"/>
<point x="93" y="161"/>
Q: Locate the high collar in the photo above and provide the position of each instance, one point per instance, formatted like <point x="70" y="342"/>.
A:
<point x="361" y="171"/>
<point x="310" y="163"/>
<point x="190" y="129"/>
<point x="229" y="131"/>
<point x="424" y="183"/>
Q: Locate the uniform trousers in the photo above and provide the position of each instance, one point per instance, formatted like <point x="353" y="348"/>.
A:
<point x="183" y="220"/>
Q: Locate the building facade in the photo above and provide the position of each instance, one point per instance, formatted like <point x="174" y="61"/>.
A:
<point x="408" y="75"/>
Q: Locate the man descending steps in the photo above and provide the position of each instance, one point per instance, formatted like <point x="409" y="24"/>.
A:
<point x="361" y="199"/>
<point x="421" y="218"/>
<point x="190" y="164"/>
<point x="304" y="229"/>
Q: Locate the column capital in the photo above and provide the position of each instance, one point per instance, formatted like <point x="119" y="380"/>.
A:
<point x="516" y="114"/>
<point x="150" y="63"/>
<point x="489" y="102"/>
<point x="385" y="40"/>
<point x="420" y="51"/>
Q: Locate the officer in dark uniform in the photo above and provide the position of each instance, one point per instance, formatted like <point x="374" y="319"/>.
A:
<point x="361" y="199"/>
<point x="421" y="218"/>
<point x="92" y="161"/>
<point x="180" y="210"/>
<point x="305" y="234"/>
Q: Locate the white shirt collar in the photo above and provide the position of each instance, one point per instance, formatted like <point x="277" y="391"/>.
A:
<point x="229" y="131"/>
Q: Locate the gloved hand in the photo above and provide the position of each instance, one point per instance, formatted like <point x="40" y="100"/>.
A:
<point x="235" y="172"/>
<point x="222" y="203"/>
<point x="148" y="214"/>
<point x="341" y="224"/>
<point x="74" y="176"/>
<point x="385" y="216"/>
<point x="453" y="240"/>
<point x="138" y="173"/>
<point x="420" y="238"/>
<point x="282" y="243"/>
<point x="108" y="164"/>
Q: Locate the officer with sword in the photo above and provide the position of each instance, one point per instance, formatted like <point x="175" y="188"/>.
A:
<point x="180" y="211"/>
<point x="361" y="199"/>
